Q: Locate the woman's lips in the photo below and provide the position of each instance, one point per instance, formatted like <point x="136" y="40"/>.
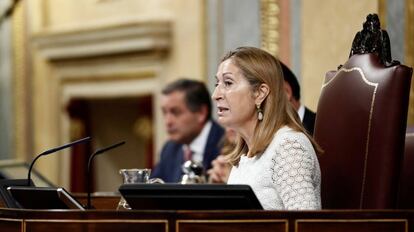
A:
<point x="221" y="110"/>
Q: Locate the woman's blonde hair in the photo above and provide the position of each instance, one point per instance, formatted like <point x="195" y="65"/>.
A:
<point x="260" y="67"/>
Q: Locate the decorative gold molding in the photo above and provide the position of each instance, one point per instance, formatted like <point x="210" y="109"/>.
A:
<point x="21" y="90"/>
<point x="153" y="36"/>
<point x="350" y="70"/>
<point x="120" y="76"/>
<point x="269" y="12"/>
<point x="103" y="221"/>
<point x="11" y="219"/>
<point x="409" y="53"/>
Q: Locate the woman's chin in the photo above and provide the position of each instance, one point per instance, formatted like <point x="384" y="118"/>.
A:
<point x="223" y="121"/>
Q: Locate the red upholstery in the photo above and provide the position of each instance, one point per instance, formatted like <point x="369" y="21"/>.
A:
<point x="406" y="192"/>
<point x="360" y="124"/>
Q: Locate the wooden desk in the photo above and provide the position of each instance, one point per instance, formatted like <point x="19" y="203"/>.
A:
<point x="105" y="218"/>
<point x="14" y="220"/>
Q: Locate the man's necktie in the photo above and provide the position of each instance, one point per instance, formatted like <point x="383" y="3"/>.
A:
<point x="188" y="154"/>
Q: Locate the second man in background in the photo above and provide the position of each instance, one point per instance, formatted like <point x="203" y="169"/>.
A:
<point x="186" y="107"/>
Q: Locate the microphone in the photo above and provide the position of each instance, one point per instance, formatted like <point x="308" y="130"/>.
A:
<point x="97" y="152"/>
<point x="47" y="152"/>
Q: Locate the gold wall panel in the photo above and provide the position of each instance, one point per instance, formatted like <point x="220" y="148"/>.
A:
<point x="269" y="15"/>
<point x="409" y="53"/>
<point x="328" y="28"/>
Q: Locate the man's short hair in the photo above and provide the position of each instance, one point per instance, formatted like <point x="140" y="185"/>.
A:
<point x="196" y="94"/>
<point x="291" y="79"/>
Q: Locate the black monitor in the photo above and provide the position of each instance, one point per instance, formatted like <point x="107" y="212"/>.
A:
<point x="5" y="195"/>
<point x="189" y="196"/>
<point x="42" y="198"/>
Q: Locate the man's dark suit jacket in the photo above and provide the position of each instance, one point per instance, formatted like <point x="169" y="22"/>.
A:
<point x="309" y="120"/>
<point x="171" y="160"/>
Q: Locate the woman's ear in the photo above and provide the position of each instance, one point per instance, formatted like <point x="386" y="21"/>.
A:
<point x="261" y="93"/>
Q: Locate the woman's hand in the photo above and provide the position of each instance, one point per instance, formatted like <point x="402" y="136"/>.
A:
<point x="220" y="171"/>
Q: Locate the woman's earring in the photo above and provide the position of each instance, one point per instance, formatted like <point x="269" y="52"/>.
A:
<point x="259" y="112"/>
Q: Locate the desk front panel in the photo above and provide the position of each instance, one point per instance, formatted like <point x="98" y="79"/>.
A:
<point x="354" y="225"/>
<point x="234" y="225"/>
<point x="10" y="225"/>
<point x="108" y="225"/>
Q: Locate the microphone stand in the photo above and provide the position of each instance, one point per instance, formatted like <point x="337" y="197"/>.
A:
<point x="47" y="152"/>
<point x="88" y="181"/>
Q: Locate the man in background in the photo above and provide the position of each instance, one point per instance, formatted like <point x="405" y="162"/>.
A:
<point x="193" y="135"/>
<point x="292" y="89"/>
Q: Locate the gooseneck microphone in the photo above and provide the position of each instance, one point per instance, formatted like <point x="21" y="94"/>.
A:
<point x="97" y="152"/>
<point x="47" y="152"/>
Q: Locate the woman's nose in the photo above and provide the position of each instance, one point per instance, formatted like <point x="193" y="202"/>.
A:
<point x="216" y="94"/>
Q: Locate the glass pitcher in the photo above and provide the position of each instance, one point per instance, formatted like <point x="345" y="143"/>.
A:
<point x="132" y="176"/>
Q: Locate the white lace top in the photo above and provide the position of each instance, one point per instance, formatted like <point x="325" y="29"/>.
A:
<point x="286" y="176"/>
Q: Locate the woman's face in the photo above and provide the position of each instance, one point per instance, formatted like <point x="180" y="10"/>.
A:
<point x="234" y="97"/>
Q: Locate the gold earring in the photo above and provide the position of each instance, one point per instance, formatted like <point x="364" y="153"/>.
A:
<point x="259" y="112"/>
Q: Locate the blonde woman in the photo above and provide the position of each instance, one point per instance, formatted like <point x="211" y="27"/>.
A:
<point x="273" y="153"/>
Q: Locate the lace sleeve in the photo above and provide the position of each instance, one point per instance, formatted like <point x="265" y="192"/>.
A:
<point x="293" y="175"/>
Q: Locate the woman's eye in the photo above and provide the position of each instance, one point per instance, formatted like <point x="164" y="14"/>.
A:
<point x="227" y="83"/>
